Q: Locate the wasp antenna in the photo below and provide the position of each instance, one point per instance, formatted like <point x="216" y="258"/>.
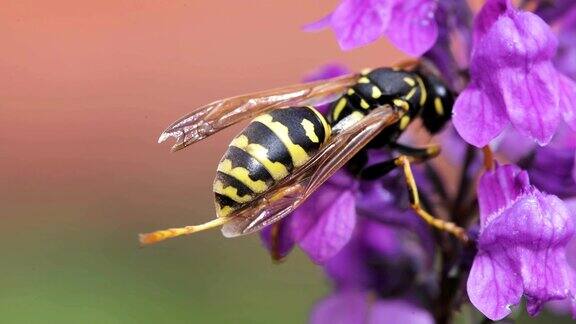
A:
<point x="159" y="236"/>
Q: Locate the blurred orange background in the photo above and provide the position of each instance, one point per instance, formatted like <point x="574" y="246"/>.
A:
<point x="86" y="87"/>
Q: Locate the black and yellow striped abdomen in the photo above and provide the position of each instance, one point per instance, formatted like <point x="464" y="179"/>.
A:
<point x="265" y="152"/>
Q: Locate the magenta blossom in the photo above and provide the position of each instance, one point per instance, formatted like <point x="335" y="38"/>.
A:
<point x="375" y="274"/>
<point x="521" y="245"/>
<point x="357" y="307"/>
<point x="409" y="24"/>
<point x="513" y="79"/>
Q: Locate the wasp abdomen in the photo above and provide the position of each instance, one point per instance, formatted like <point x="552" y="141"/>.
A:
<point x="265" y="152"/>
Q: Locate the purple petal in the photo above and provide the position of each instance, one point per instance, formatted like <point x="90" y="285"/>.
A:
<point x="515" y="40"/>
<point x="523" y="249"/>
<point x="492" y="287"/>
<point x="360" y="22"/>
<point x="498" y="189"/>
<point x="284" y="234"/>
<point x="412" y="27"/>
<point x="554" y="281"/>
<point x="568" y="100"/>
<point x="511" y="65"/>
<point x="487" y="16"/>
<point x="477" y="116"/>
<point x="348" y="268"/>
<point x="567" y="306"/>
<point x="318" y="25"/>
<point x="341" y="308"/>
<point x="398" y="311"/>
<point x="531" y="98"/>
<point x="571" y="248"/>
<point x="325" y="222"/>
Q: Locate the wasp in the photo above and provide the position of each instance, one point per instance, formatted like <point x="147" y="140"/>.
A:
<point x="289" y="148"/>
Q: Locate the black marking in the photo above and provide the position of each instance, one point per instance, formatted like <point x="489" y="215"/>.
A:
<point x="393" y="86"/>
<point x="436" y="89"/>
<point x="230" y="181"/>
<point x="292" y="118"/>
<point x="319" y="130"/>
<point x="226" y="201"/>
<point x="258" y="133"/>
<point x="256" y="170"/>
<point x="348" y="110"/>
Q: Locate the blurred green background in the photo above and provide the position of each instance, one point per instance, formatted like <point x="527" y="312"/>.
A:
<point x="86" y="88"/>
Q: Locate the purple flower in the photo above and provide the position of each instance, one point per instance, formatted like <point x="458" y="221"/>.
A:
<point x="513" y="79"/>
<point x="388" y="259"/>
<point x="324" y="223"/>
<point x="375" y="273"/>
<point x="521" y="245"/>
<point x="565" y="306"/>
<point x="409" y="24"/>
<point x="356" y="307"/>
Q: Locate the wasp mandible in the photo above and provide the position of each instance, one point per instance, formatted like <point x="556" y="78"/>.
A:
<point x="289" y="148"/>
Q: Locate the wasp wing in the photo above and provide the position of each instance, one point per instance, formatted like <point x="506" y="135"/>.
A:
<point x="298" y="186"/>
<point x="211" y="118"/>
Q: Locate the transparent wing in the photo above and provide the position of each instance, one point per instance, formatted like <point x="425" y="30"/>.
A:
<point x="213" y="117"/>
<point x="298" y="186"/>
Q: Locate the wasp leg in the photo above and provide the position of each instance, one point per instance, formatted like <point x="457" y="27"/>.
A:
<point x="358" y="162"/>
<point x="419" y="154"/>
<point x="378" y="170"/>
<point x="403" y="161"/>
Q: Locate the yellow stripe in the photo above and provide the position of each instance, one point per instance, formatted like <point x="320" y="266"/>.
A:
<point x="363" y="80"/>
<point x="401" y="104"/>
<point x="423" y="93"/>
<point x="309" y="129"/>
<point x="350" y="91"/>
<point x="410" y="81"/>
<point x="411" y="93"/>
<point x="339" y="107"/>
<point x="327" y="128"/>
<point x="230" y="192"/>
<point x="241" y="174"/>
<point x="277" y="170"/>
<point x="404" y="122"/>
<point x="438" y="106"/>
<point x="298" y="154"/>
<point x="223" y="211"/>
<point x="376" y="93"/>
<point x="364" y="104"/>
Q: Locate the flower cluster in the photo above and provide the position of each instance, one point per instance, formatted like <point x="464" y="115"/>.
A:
<point x="510" y="154"/>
